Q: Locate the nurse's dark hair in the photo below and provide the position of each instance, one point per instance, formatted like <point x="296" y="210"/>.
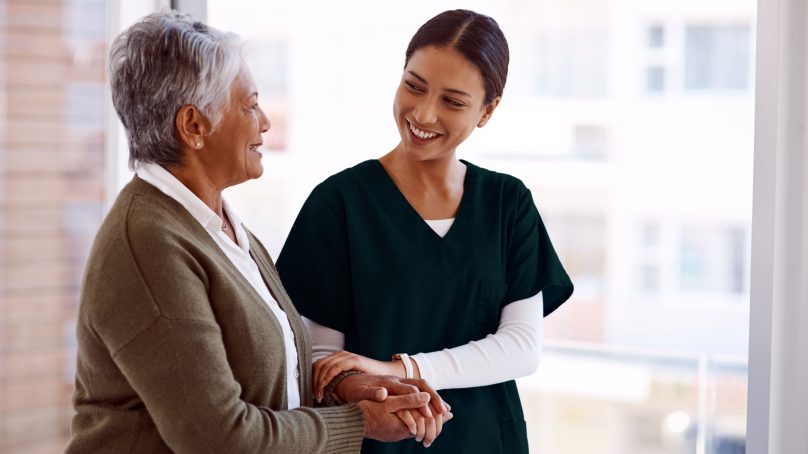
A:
<point x="475" y="36"/>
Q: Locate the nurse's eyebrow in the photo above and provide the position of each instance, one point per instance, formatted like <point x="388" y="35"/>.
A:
<point x="450" y="90"/>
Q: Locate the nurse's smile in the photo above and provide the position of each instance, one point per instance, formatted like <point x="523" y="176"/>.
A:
<point x="422" y="136"/>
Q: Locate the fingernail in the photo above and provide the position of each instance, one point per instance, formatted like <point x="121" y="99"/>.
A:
<point x="426" y="445"/>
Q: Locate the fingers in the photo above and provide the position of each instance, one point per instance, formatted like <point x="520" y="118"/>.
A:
<point x="420" y="423"/>
<point x="325" y="369"/>
<point x="438" y="426"/>
<point x="332" y="371"/>
<point x="406" y="417"/>
<point x="376" y="393"/>
<point x="430" y="430"/>
<point x="320" y="368"/>
<point x="396" y="388"/>
<point x="407" y="401"/>
<point x="436" y="401"/>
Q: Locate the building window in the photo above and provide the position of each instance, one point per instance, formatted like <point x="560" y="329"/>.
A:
<point x="717" y="57"/>
<point x="655" y="79"/>
<point x="712" y="259"/>
<point x="573" y="64"/>
<point x="589" y="142"/>
<point x="656" y="36"/>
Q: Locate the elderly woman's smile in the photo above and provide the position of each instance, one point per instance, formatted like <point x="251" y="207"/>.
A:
<point x="231" y="152"/>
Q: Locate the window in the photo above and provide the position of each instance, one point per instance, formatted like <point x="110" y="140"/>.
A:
<point x="572" y="64"/>
<point x="589" y="142"/>
<point x="717" y="57"/>
<point x="713" y="259"/>
<point x="52" y="185"/>
<point x="605" y="158"/>
<point x="656" y="36"/>
<point x="655" y="79"/>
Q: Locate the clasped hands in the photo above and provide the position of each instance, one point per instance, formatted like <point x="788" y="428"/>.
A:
<point x="395" y="408"/>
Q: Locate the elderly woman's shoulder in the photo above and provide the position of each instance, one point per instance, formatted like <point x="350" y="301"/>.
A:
<point x="142" y="212"/>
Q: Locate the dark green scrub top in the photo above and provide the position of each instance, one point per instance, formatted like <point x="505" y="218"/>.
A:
<point x="359" y="259"/>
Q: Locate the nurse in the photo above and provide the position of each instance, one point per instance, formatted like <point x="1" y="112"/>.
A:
<point x="419" y="253"/>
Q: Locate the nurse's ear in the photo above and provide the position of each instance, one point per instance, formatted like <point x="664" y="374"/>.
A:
<point x="487" y="111"/>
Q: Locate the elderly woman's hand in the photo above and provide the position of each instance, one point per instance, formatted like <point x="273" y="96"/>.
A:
<point x="325" y="369"/>
<point x="424" y="423"/>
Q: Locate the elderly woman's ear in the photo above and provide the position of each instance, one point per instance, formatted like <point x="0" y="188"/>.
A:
<point x="192" y="127"/>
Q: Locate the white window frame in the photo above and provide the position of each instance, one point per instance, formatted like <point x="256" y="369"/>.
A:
<point x="777" y="407"/>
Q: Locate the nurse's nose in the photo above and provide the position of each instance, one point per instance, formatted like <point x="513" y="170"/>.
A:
<point x="425" y="112"/>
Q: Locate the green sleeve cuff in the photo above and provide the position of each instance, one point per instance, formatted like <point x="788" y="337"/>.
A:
<point x="346" y="428"/>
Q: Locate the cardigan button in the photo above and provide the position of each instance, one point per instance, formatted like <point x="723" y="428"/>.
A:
<point x="297" y="372"/>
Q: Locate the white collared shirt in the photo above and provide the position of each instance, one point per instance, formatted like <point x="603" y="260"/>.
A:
<point x="239" y="254"/>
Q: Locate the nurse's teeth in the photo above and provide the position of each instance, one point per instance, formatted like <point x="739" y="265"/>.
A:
<point x="422" y="134"/>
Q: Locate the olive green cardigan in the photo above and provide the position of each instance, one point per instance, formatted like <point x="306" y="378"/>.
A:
<point x="178" y="353"/>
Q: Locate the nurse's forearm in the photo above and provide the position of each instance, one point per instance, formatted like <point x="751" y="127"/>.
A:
<point x="512" y="352"/>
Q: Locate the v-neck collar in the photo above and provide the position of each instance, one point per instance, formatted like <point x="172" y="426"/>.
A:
<point x="410" y="215"/>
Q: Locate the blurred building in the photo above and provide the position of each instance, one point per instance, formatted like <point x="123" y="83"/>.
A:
<point x="52" y="132"/>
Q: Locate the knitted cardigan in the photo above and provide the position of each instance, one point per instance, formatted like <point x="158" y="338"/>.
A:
<point x="178" y="353"/>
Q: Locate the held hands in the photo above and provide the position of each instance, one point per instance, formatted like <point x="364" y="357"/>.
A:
<point x="413" y="408"/>
<point x="325" y="369"/>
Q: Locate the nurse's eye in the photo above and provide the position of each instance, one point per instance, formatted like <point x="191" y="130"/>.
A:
<point x="413" y="87"/>
<point x="454" y="103"/>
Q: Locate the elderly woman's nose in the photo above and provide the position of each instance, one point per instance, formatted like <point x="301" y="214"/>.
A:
<point x="264" y="123"/>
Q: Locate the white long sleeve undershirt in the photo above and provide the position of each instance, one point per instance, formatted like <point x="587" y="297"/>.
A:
<point x="512" y="352"/>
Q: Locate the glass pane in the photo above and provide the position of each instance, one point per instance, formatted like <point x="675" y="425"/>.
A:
<point x="717" y="57"/>
<point x="656" y="36"/>
<point x="649" y="355"/>
<point x="52" y="186"/>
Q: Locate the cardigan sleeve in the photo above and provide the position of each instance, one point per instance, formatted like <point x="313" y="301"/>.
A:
<point x="191" y="394"/>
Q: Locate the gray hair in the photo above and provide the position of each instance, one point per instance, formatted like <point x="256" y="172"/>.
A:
<point x="163" y="62"/>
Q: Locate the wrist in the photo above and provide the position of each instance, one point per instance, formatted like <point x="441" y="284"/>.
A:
<point x="407" y="363"/>
<point x="396" y="368"/>
<point x="416" y="371"/>
<point x="335" y="390"/>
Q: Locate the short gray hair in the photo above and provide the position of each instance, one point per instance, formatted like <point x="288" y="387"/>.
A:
<point x="163" y="62"/>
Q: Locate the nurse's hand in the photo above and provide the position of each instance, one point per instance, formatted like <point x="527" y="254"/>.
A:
<point x="425" y="429"/>
<point x="325" y="369"/>
<point x="381" y="419"/>
<point x="354" y="388"/>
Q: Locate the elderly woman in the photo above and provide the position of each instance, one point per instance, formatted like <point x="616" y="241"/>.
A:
<point x="187" y="340"/>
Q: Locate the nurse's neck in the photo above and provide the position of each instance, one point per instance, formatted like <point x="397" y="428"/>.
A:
<point x="433" y="175"/>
